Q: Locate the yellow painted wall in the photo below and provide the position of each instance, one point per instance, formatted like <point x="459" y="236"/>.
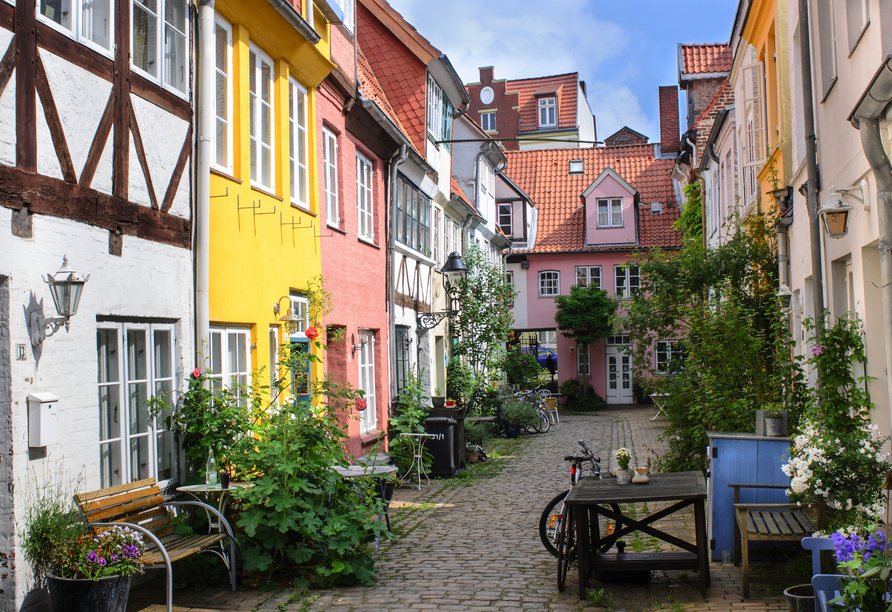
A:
<point x="254" y="259"/>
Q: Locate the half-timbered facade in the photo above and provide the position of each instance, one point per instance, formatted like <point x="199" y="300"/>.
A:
<point x="96" y="166"/>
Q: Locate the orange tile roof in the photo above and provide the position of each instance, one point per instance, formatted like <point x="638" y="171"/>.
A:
<point x="458" y="191"/>
<point x="565" y="85"/>
<point x="706" y="58"/>
<point x="544" y="175"/>
<point x="372" y="90"/>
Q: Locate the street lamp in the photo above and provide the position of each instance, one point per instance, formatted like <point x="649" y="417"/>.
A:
<point x="66" y="288"/>
<point x="835" y="215"/>
<point x="785" y="297"/>
<point x="453" y="270"/>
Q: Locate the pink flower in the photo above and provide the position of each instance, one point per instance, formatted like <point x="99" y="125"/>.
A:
<point x="361" y="405"/>
<point x="196" y="373"/>
<point x="818" y="350"/>
<point x="312" y="333"/>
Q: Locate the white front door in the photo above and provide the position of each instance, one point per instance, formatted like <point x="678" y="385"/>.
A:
<point x="619" y="376"/>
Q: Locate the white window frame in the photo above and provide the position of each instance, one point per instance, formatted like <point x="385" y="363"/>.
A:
<point x="256" y="137"/>
<point x="365" y="179"/>
<point x="298" y="145"/>
<point x="155" y="423"/>
<point x="76" y="11"/>
<point x="488" y="121"/>
<point x="447" y="236"/>
<point x="622" y="273"/>
<point x="434" y="107"/>
<point x="588" y="274"/>
<point x="224" y="377"/>
<point x="664" y="352"/>
<point x="330" y="176"/>
<point x="550" y="282"/>
<point x="226" y="115"/>
<point x="583" y="358"/>
<point x="438" y="258"/>
<point x="368" y="418"/>
<point x="300" y="307"/>
<point x="501" y="217"/>
<point x="346" y="7"/>
<point x="752" y="141"/>
<point x="548" y="111"/>
<point x="610" y="212"/>
<point x="162" y="76"/>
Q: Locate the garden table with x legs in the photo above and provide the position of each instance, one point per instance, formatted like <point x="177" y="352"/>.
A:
<point x="593" y="496"/>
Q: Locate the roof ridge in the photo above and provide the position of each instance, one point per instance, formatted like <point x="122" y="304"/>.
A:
<point x="550" y="76"/>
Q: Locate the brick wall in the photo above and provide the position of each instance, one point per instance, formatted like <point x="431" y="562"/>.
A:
<point x="505" y="103"/>
<point x="700" y="93"/>
<point x="669" y="129"/>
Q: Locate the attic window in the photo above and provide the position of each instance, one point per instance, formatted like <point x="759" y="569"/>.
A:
<point x="577" y="166"/>
<point x="656" y="208"/>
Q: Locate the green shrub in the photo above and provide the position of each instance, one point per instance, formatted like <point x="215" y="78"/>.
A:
<point x="572" y="389"/>
<point x="461" y="382"/>
<point x="590" y="403"/>
<point x="409" y="418"/>
<point x="519" y="414"/>
<point x="476" y="432"/>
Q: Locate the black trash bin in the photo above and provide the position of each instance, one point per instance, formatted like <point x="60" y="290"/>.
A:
<point x="442" y="445"/>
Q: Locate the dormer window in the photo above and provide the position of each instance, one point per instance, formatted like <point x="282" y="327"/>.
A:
<point x="548" y="112"/>
<point x="439" y="112"/>
<point x="577" y="166"/>
<point x="610" y="212"/>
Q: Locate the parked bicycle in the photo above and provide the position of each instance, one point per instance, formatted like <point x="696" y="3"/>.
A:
<point x="557" y="528"/>
<point x="534" y="398"/>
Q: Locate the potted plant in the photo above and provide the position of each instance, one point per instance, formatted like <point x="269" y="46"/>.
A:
<point x="623" y="474"/>
<point x="474" y="451"/>
<point x="516" y="415"/>
<point x="438" y="400"/>
<point x="86" y="570"/>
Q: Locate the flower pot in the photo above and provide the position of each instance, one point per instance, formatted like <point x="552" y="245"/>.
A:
<point x="83" y="595"/>
<point x="624" y="477"/>
<point x="473" y="457"/>
<point x="438" y="401"/>
<point x="773" y="427"/>
<point x="800" y="598"/>
<point x="512" y="431"/>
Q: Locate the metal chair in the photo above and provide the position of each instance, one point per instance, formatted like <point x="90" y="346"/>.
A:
<point x="551" y="402"/>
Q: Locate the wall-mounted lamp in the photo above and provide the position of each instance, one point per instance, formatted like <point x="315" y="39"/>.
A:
<point x="525" y="264"/>
<point x="289" y="319"/>
<point x="785" y="297"/>
<point x="572" y="349"/>
<point x="65" y="287"/>
<point x="352" y="345"/>
<point x="835" y="215"/>
<point x="453" y="270"/>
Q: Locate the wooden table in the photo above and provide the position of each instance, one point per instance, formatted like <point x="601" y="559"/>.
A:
<point x="592" y="497"/>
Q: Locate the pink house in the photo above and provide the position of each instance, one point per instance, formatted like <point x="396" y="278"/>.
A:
<point x="594" y="208"/>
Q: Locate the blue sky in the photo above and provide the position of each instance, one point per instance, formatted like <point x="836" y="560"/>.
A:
<point x="623" y="49"/>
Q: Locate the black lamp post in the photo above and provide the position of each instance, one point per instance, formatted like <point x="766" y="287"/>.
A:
<point x="453" y="270"/>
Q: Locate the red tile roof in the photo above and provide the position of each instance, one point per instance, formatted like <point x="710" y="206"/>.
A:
<point x="706" y="58"/>
<point x="372" y="90"/>
<point x="565" y="85"/>
<point x="459" y="192"/>
<point x="544" y="175"/>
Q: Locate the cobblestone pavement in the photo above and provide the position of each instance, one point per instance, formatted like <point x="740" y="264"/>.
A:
<point x="474" y="545"/>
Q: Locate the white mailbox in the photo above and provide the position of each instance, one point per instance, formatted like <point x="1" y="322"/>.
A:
<point x="42" y="427"/>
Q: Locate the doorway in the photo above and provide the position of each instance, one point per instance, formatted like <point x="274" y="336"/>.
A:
<point x="619" y="375"/>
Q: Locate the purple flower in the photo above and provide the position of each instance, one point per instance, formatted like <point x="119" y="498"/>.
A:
<point x="92" y="557"/>
<point x="818" y="350"/>
<point x="102" y="561"/>
<point x="114" y="558"/>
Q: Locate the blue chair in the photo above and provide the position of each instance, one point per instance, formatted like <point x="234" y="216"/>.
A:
<point x="826" y="586"/>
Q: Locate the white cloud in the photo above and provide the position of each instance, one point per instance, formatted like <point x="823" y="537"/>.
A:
<point x="615" y="106"/>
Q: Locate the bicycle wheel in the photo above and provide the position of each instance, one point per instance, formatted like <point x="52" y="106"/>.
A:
<point x="566" y="547"/>
<point x="549" y="522"/>
<point x="544" y="423"/>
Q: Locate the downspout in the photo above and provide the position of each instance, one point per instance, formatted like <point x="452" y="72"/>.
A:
<point x="872" y="143"/>
<point x="399" y="157"/>
<point x="203" y="155"/>
<point x="811" y="202"/>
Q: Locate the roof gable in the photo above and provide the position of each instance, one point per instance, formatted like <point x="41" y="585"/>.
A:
<point x="564" y="86"/>
<point x="608" y="171"/>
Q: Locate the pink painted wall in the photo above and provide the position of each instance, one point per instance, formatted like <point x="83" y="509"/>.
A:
<point x="354" y="269"/>
<point x="610" y="188"/>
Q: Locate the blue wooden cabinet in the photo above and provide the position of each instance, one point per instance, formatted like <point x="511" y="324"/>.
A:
<point x="746" y="459"/>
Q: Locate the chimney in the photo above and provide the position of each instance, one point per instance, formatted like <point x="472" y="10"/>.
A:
<point x="486" y="74"/>
<point x="669" y="130"/>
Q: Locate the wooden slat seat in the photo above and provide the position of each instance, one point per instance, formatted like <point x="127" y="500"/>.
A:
<point x="757" y="522"/>
<point x="140" y="505"/>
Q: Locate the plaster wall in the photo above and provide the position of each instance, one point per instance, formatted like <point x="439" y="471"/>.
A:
<point x="584" y="118"/>
<point x="610" y="188"/>
<point x="149" y="281"/>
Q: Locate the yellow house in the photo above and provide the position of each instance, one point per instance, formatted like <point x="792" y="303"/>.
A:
<point x="261" y="240"/>
<point x="761" y="80"/>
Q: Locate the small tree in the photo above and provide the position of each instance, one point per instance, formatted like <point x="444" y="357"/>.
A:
<point x="584" y="316"/>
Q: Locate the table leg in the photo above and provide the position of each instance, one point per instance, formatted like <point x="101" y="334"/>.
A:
<point x="583" y="546"/>
<point x="702" y="544"/>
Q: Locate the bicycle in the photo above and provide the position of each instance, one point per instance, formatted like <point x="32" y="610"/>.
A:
<point x="557" y="528"/>
<point x="544" y="422"/>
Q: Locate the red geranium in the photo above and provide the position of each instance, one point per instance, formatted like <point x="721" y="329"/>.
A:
<point x="196" y="373"/>
<point x="312" y="333"/>
<point x="361" y="404"/>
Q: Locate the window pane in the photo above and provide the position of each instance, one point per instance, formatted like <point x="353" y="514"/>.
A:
<point x="138" y="410"/>
<point x="163" y="365"/>
<point x="109" y="412"/>
<point x="96" y="21"/>
<point x="175" y="13"/>
<point x="139" y="458"/>
<point x="107" y="345"/>
<point x="137" y="360"/>
<point x="110" y="464"/>
<point x="145" y="36"/>
<point x="174" y="58"/>
<point x="617" y="212"/>
<point x="58" y="11"/>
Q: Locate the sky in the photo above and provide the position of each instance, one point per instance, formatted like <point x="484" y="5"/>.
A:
<point x="623" y="49"/>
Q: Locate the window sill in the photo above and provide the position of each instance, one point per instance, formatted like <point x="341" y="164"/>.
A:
<point x="303" y="209"/>
<point x="225" y="175"/>
<point x="367" y="242"/>
<point x="335" y="228"/>
<point x="370" y="438"/>
<point x="262" y="190"/>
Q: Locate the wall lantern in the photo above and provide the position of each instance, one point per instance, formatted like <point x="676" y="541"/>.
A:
<point x="66" y="288"/>
<point x="835" y="213"/>
<point x="291" y="321"/>
<point x="785" y="297"/>
<point x="453" y="270"/>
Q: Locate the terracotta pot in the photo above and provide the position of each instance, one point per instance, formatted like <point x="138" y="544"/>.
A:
<point x="473" y="457"/>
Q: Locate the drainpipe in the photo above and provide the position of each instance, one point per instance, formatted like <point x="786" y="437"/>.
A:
<point x="872" y="143"/>
<point x="811" y="202"/>
<point x="203" y="155"/>
<point x="399" y="157"/>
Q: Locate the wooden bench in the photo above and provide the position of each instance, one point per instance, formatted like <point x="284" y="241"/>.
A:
<point x="141" y="506"/>
<point x="766" y="522"/>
